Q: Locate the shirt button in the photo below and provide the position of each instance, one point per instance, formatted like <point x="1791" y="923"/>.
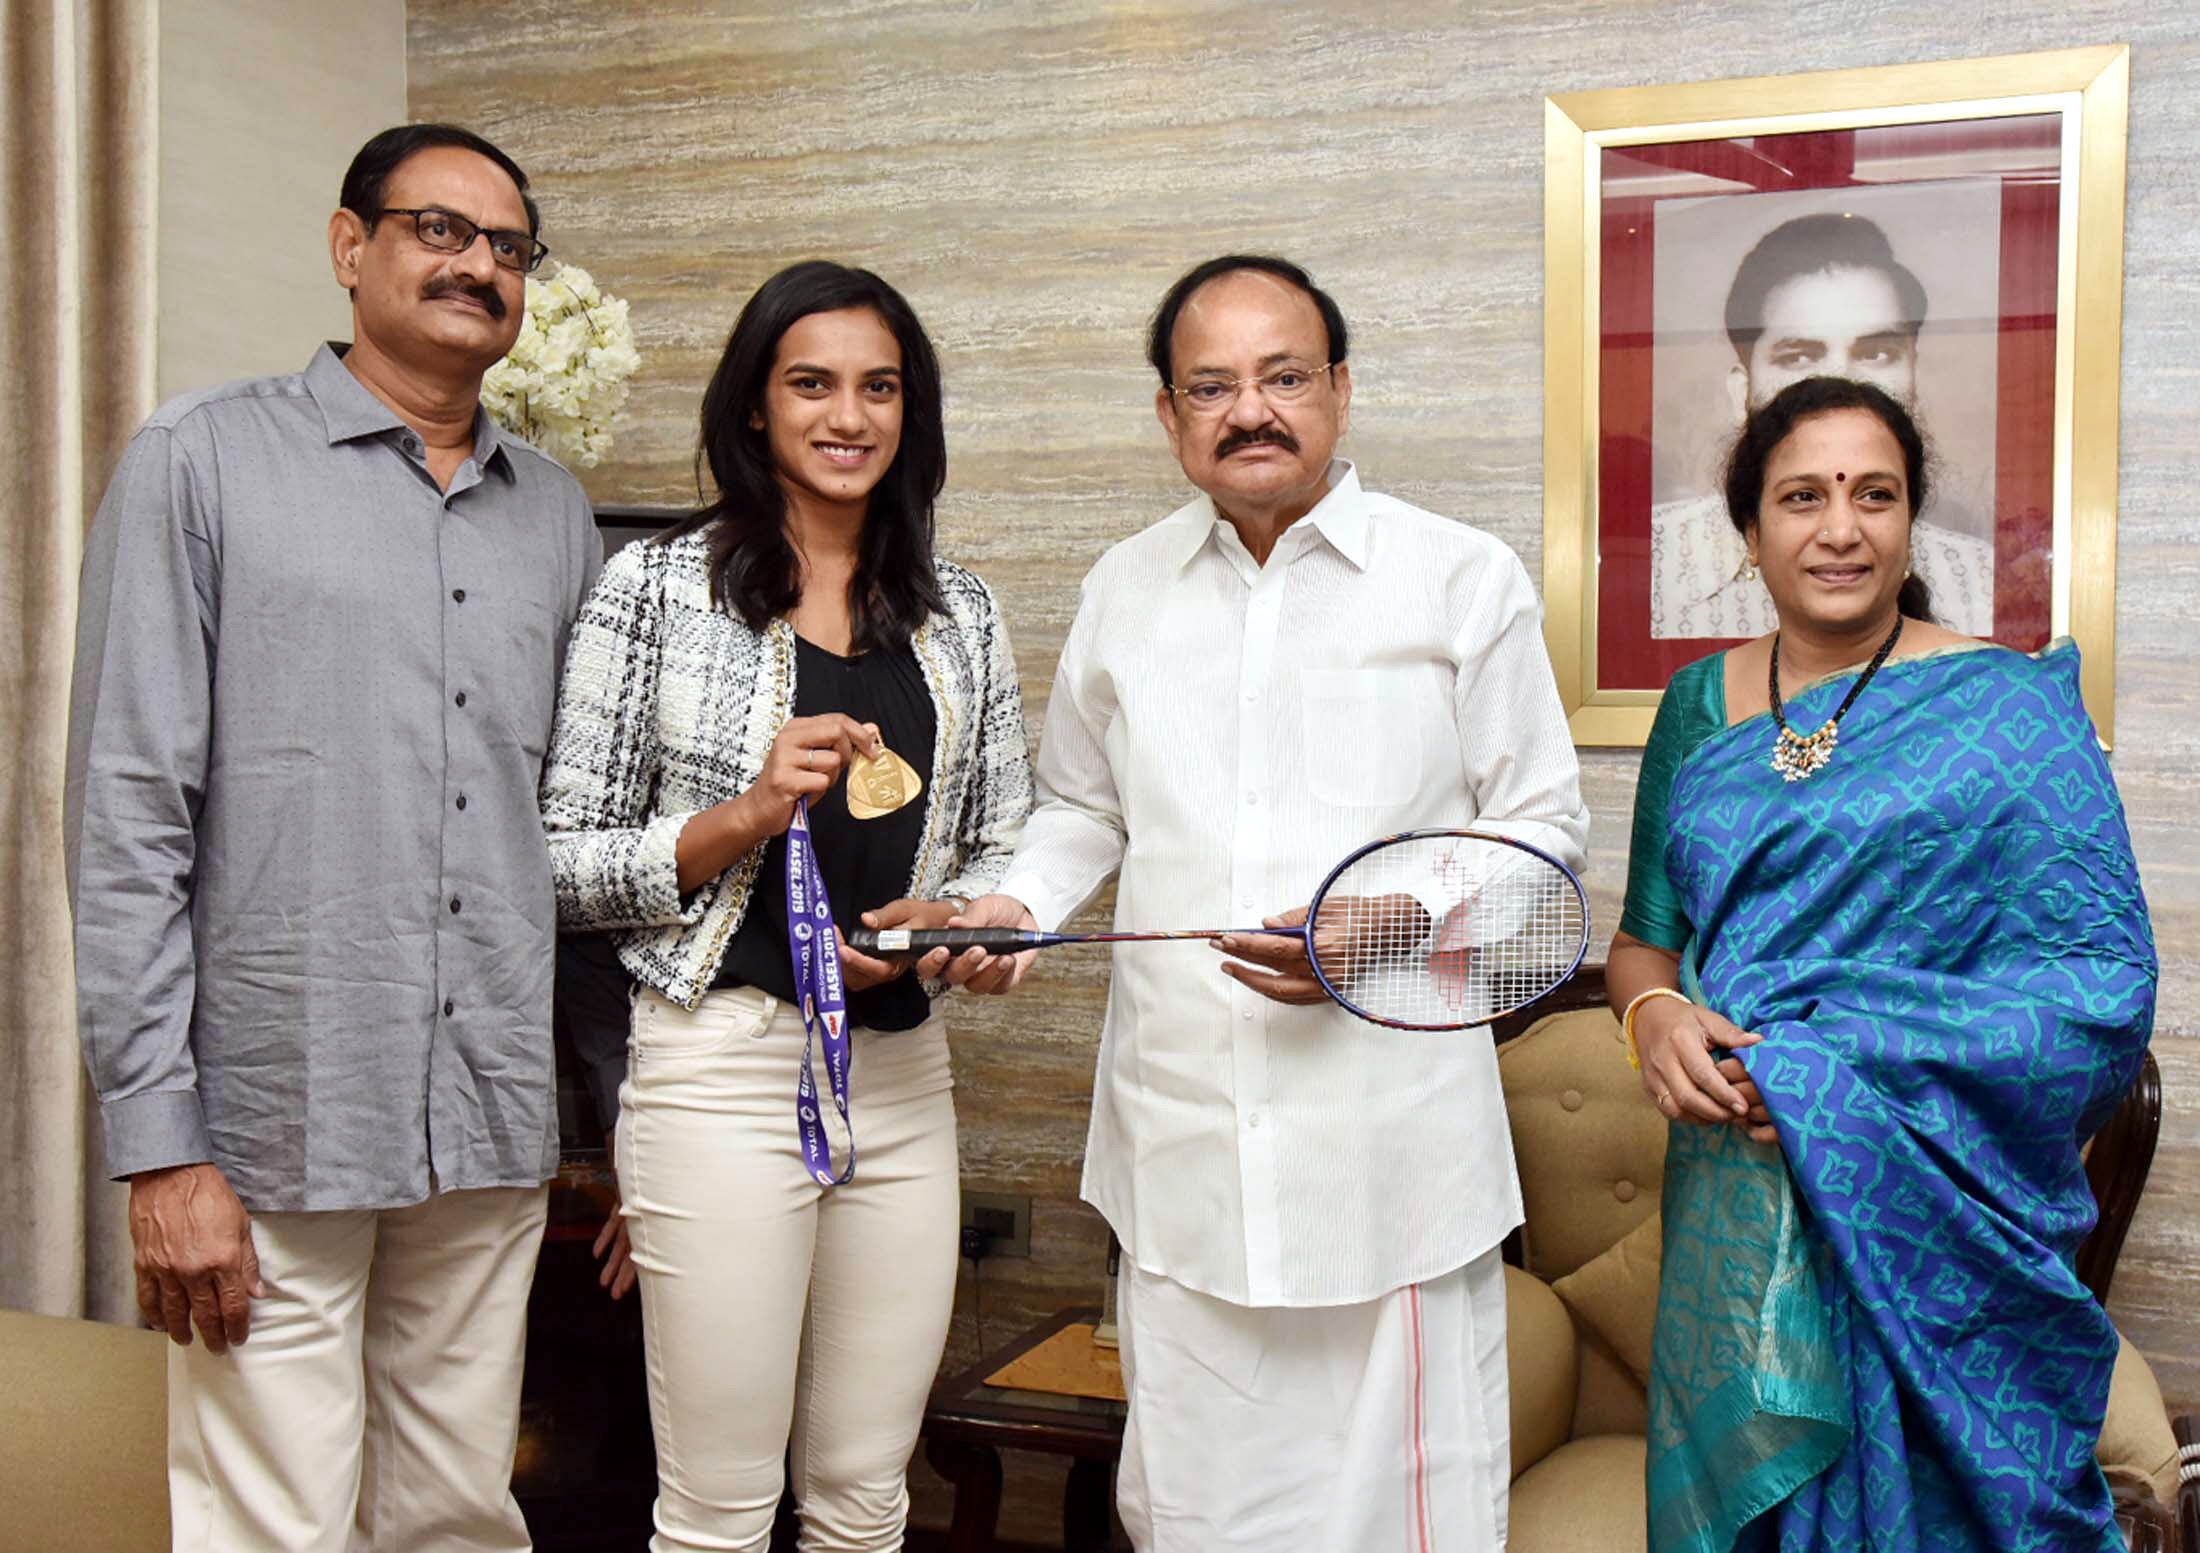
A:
<point x="1252" y="695"/>
<point x="412" y="445"/>
<point x="458" y="595"/>
<point x="460" y="698"/>
<point x="1252" y="1119"/>
<point x="449" y="1008"/>
<point x="1624" y="1190"/>
<point x="462" y="800"/>
<point x="1247" y="1016"/>
<point x="454" y="905"/>
<point x="1252" y="799"/>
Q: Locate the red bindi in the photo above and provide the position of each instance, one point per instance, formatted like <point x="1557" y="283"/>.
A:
<point x="1838" y="477"/>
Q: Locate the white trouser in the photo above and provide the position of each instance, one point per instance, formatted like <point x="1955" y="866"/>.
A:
<point x="1373" y="1428"/>
<point x="774" y="1311"/>
<point x="375" y="1406"/>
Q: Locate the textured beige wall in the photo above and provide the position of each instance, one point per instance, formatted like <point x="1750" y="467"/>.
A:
<point x="262" y="103"/>
<point x="1033" y="176"/>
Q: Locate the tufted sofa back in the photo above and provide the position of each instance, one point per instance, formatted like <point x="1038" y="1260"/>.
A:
<point x="1591" y="1147"/>
<point x="1591" y="1150"/>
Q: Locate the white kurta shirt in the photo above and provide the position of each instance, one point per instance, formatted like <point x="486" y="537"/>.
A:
<point x="1222" y="734"/>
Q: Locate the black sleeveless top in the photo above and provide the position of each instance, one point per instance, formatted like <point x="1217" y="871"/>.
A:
<point x="866" y="863"/>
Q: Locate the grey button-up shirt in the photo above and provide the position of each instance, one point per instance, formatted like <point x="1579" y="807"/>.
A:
<point x="314" y="923"/>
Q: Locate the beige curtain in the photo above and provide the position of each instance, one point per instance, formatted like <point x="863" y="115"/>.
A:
<point x="77" y="173"/>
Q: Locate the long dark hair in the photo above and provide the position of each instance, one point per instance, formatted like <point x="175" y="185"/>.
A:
<point x="1768" y="426"/>
<point x="753" y="567"/>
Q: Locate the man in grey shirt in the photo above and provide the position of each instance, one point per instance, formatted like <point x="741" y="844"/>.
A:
<point x="323" y="617"/>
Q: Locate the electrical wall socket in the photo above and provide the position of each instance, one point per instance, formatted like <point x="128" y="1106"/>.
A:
<point x="1004" y="1216"/>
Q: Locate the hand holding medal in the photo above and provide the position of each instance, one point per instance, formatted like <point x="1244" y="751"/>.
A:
<point x="805" y="760"/>
<point x="809" y="755"/>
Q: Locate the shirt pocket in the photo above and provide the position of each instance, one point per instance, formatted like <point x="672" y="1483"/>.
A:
<point x="1362" y="736"/>
<point x="524" y="651"/>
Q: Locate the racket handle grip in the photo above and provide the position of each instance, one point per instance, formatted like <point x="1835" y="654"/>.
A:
<point x="903" y="943"/>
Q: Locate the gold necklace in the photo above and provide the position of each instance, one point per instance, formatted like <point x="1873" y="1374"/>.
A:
<point x="1795" y="755"/>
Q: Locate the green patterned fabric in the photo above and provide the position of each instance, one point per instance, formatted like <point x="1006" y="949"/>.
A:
<point x="1693" y="709"/>
<point x="1745" y="1332"/>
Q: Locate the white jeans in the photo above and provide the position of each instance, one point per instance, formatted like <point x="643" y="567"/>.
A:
<point x="1380" y="1427"/>
<point x="375" y="1406"/>
<point x="777" y="1313"/>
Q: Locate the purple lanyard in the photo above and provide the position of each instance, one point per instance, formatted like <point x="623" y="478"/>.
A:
<point x="811" y="941"/>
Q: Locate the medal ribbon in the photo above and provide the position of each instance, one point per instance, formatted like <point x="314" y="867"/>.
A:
<point x="812" y="944"/>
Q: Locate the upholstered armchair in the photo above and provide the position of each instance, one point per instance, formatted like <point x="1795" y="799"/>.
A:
<point x="1583" y="1287"/>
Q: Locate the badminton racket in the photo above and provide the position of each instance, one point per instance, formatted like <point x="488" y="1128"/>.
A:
<point x="1429" y="930"/>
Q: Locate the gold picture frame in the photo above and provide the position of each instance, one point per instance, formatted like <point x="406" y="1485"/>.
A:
<point x="2086" y="90"/>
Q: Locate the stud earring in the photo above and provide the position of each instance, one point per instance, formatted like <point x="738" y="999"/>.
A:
<point x="1749" y="570"/>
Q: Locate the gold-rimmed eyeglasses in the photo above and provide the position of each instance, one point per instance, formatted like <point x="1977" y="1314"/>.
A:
<point x="450" y="232"/>
<point x="1287" y="384"/>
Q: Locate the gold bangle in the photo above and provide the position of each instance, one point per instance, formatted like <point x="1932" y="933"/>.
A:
<point x="1627" y="1020"/>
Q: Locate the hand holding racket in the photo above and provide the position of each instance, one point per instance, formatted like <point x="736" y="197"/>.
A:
<point x="1350" y="935"/>
<point x="975" y="967"/>
<point x="1430" y="930"/>
<point x="860" y="971"/>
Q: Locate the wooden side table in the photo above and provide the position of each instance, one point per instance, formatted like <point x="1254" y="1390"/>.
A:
<point x="969" y="1423"/>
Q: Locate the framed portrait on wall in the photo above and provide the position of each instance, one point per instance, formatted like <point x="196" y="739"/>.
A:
<point x="1952" y="233"/>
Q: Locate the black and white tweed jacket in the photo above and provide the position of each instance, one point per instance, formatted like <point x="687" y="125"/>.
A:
<point x="670" y="704"/>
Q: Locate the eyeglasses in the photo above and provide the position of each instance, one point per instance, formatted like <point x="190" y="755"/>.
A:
<point x="1287" y="384"/>
<point x="450" y="232"/>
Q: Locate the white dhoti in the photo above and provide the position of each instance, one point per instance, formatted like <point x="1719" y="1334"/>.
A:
<point x="1329" y="1429"/>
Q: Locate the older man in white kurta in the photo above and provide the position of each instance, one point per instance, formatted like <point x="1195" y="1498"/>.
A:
<point x="1310" y="1206"/>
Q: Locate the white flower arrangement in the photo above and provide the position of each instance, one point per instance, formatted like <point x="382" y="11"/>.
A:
<point x="564" y="382"/>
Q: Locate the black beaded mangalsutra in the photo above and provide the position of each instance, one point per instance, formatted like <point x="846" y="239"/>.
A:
<point x="1796" y="756"/>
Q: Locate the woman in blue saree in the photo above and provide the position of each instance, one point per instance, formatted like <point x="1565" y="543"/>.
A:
<point x="1886" y="964"/>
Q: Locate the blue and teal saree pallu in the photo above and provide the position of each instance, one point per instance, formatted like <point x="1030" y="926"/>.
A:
<point x="1872" y="1337"/>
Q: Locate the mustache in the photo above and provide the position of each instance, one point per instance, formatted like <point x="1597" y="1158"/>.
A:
<point x="445" y="285"/>
<point x="1242" y="438"/>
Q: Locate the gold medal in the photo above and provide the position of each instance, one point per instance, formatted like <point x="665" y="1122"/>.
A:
<point x="880" y="784"/>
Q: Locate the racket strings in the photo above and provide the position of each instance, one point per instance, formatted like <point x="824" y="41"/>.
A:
<point x="1447" y="930"/>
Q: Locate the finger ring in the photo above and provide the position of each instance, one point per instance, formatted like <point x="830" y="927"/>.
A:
<point x="1665" y="1098"/>
<point x="809" y="759"/>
